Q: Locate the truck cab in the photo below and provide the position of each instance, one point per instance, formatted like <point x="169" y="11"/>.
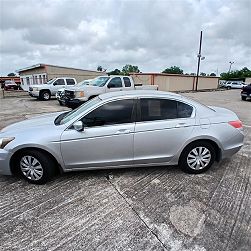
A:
<point x="50" y="88"/>
<point x="78" y="95"/>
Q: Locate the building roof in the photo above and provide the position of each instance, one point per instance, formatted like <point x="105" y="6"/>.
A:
<point x="169" y="74"/>
<point x="44" y="65"/>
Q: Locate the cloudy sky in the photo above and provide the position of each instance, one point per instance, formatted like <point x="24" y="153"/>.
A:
<point x="149" y="33"/>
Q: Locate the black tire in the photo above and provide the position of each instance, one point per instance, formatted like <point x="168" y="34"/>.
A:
<point x="188" y="156"/>
<point x="60" y="102"/>
<point x="229" y="87"/>
<point x="45" y="165"/>
<point x="45" y="95"/>
<point x="243" y="98"/>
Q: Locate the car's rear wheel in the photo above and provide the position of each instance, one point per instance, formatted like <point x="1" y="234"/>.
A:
<point x="229" y="87"/>
<point x="197" y="157"/>
<point x="36" y="167"/>
<point x="45" y="95"/>
<point x="243" y="98"/>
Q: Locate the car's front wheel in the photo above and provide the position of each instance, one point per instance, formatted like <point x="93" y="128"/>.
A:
<point x="197" y="157"/>
<point x="35" y="166"/>
<point x="45" y="95"/>
<point x="229" y="87"/>
<point x="243" y="98"/>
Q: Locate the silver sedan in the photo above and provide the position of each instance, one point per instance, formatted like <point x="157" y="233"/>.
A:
<point x="121" y="129"/>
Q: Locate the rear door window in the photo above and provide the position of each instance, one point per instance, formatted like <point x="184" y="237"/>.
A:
<point x="127" y="82"/>
<point x="70" y="81"/>
<point x="157" y="109"/>
<point x="161" y="109"/>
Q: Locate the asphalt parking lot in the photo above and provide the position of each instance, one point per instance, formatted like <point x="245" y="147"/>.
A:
<point x="158" y="208"/>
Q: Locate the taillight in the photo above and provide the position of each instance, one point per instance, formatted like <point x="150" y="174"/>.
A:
<point x="236" y="124"/>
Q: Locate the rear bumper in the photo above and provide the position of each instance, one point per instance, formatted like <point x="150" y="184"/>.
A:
<point x="233" y="145"/>
<point x="245" y="94"/>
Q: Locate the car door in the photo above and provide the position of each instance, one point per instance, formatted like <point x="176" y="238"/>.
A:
<point x="115" y="84"/>
<point x="107" y="138"/>
<point x="161" y="130"/>
<point x="58" y="84"/>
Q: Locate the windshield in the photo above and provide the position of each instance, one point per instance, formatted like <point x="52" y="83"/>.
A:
<point x="74" y="113"/>
<point x="100" y="81"/>
<point x="50" y="81"/>
<point x="86" y="82"/>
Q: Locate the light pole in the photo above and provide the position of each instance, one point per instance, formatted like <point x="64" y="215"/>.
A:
<point x="198" y="66"/>
<point x="230" y="66"/>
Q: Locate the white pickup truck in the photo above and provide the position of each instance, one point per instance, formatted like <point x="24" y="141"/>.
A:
<point x="78" y="95"/>
<point x="50" y="88"/>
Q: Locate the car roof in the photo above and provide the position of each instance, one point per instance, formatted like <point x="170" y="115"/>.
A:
<point x="138" y="93"/>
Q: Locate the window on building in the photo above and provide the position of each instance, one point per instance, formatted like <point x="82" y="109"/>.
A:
<point x="127" y="82"/>
<point x="28" y="80"/>
<point x="116" y="112"/>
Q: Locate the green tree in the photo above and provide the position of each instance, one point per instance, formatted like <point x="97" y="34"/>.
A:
<point x="173" y="70"/>
<point x="203" y="74"/>
<point x="115" y="72"/>
<point x="243" y="73"/>
<point x="127" y="69"/>
<point x="11" y="74"/>
<point x="99" y="68"/>
<point x="212" y="74"/>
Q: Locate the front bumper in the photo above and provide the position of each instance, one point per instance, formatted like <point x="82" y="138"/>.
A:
<point x="5" y="162"/>
<point x="34" y="93"/>
<point x="74" y="103"/>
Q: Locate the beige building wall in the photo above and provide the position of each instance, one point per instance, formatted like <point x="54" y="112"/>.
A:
<point x="175" y="82"/>
<point x="79" y="75"/>
<point x="248" y="80"/>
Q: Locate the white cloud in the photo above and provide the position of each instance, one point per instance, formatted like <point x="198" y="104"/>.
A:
<point x="153" y="34"/>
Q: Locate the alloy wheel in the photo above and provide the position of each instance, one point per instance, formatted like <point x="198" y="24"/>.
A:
<point x="31" y="168"/>
<point x="198" y="158"/>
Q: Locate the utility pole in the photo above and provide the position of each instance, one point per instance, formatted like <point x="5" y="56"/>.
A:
<point x="198" y="67"/>
<point x="230" y="66"/>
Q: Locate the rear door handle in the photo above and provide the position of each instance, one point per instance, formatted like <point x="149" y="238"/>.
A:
<point x="181" y="125"/>
<point x="122" y="131"/>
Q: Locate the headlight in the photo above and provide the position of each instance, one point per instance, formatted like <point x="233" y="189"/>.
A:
<point x="79" y="94"/>
<point x="5" y="141"/>
<point x="35" y="89"/>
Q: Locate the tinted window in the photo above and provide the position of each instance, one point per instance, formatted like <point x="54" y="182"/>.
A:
<point x="158" y="109"/>
<point x="115" y="83"/>
<point x="59" y="82"/>
<point x="184" y="110"/>
<point x="127" y="82"/>
<point x="70" y="82"/>
<point x="117" y="112"/>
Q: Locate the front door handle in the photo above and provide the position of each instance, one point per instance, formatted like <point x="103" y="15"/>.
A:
<point x="181" y="125"/>
<point x="122" y="131"/>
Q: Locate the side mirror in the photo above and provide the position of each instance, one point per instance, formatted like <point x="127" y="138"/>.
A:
<point x="78" y="126"/>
